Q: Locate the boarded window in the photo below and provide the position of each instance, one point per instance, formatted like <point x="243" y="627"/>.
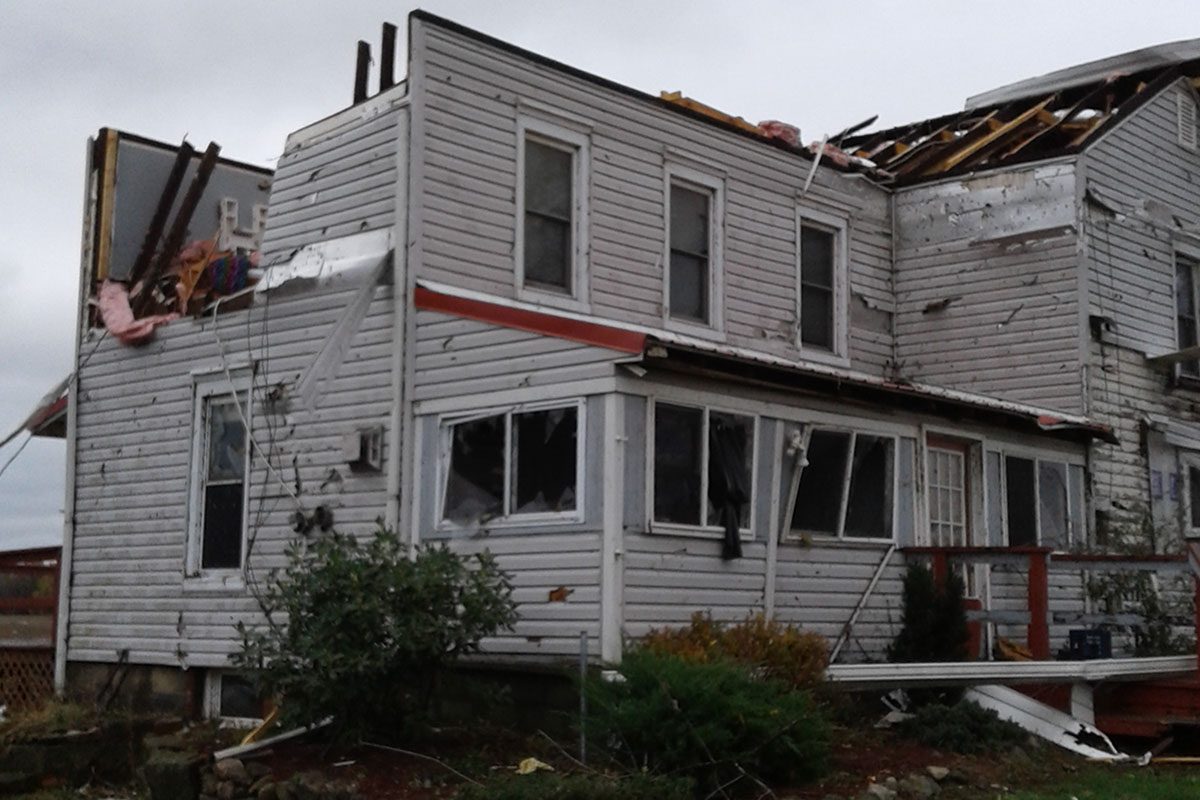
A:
<point x="1185" y="309"/>
<point x="1021" y="501"/>
<point x="702" y="467"/>
<point x="848" y="486"/>
<point x="532" y="453"/>
<point x="548" y="246"/>
<point x="690" y="240"/>
<point x="818" y="248"/>
<point x="223" y="493"/>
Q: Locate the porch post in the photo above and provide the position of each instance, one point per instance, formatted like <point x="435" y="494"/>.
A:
<point x="1038" y="638"/>
<point x="940" y="567"/>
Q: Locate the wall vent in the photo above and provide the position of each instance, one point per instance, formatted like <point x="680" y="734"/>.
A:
<point x="1185" y="119"/>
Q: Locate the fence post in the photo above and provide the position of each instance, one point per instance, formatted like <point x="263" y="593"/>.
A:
<point x="1039" y="606"/>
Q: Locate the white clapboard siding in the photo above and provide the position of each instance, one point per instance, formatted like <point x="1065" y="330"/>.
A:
<point x="1010" y="324"/>
<point x="470" y="100"/>
<point x="134" y="440"/>
<point x="337" y="181"/>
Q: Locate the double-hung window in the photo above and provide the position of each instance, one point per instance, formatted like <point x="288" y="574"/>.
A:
<point x="702" y="469"/>
<point x="693" y="258"/>
<point x="1186" y="303"/>
<point x="551" y="248"/>
<point x="521" y="464"/>
<point x="848" y="487"/>
<point x="820" y="285"/>
<point x="220" y="466"/>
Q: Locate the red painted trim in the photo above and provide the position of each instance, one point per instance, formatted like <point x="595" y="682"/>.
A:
<point x="1039" y="607"/>
<point x="574" y="330"/>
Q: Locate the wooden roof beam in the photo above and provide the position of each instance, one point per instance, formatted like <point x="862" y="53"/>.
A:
<point x="993" y="133"/>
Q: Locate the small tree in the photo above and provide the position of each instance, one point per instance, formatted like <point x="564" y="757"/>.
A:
<point x="358" y="631"/>
<point x="934" y="625"/>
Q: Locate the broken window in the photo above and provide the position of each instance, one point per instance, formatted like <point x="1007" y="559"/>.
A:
<point x="1052" y="504"/>
<point x="518" y="463"/>
<point x="847" y="488"/>
<point x="548" y="224"/>
<point x="702" y="469"/>
<point x="817" y="264"/>
<point x="1043" y="500"/>
<point x="221" y="486"/>
<point x="690" y="240"/>
<point x="1185" y="309"/>
<point x="1193" y="474"/>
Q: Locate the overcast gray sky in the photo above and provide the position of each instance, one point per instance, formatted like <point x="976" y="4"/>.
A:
<point x="246" y="73"/>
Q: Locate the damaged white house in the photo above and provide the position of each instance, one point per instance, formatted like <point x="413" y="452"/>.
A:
<point x="656" y="359"/>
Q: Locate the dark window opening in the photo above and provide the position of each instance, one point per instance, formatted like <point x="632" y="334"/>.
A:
<point x="544" y="458"/>
<point x="678" y="446"/>
<point x="1021" y="501"/>
<point x="818" y="249"/>
<point x="1194" y="495"/>
<point x="533" y="453"/>
<point x="819" y="500"/>
<point x="239" y="699"/>
<point x="548" y="221"/>
<point x="689" y="244"/>
<point x="869" y="509"/>
<point x="224" y="486"/>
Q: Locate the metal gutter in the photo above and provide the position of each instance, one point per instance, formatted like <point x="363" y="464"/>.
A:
<point x="1056" y="727"/>
<point x="973" y="673"/>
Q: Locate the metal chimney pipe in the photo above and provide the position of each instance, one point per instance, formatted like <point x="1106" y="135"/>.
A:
<point x="361" y="69"/>
<point x="387" y="57"/>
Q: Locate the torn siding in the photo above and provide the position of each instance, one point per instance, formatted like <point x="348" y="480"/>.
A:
<point x="987" y="285"/>
<point x="337" y="177"/>
<point x="470" y="101"/>
<point x="1142" y="188"/>
<point x="134" y="445"/>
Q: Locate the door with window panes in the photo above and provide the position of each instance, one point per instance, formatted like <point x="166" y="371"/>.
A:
<point x="949" y="492"/>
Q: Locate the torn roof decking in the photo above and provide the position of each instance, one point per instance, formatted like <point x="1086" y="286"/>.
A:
<point x="1046" y="123"/>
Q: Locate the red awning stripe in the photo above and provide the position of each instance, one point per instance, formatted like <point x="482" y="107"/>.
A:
<point x="539" y="322"/>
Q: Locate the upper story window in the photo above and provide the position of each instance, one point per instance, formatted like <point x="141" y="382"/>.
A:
<point x="551" y="246"/>
<point x="820" y="285"/>
<point x="693" y="275"/>
<point x="702" y="468"/>
<point x="220" y="466"/>
<point x="1186" y="303"/>
<point x="522" y="464"/>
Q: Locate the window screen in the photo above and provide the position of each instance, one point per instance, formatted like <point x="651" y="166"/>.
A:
<point x="690" y="238"/>
<point x="548" y="203"/>
<point x="1021" y="501"/>
<point x="817" y="253"/>
<point x="224" y="484"/>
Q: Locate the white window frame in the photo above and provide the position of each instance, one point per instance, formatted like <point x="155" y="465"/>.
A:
<point x="445" y="441"/>
<point x="1073" y="536"/>
<point x="578" y="144"/>
<point x="1189" y="460"/>
<point x="1191" y="252"/>
<point x="838" y="226"/>
<point x="203" y="390"/>
<point x="212" y="703"/>
<point x="702" y="531"/>
<point x="791" y="534"/>
<point x="965" y="490"/>
<point x="689" y="178"/>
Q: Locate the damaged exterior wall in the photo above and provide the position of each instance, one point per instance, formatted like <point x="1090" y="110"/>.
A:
<point x="987" y="285"/>
<point x="1142" y="170"/>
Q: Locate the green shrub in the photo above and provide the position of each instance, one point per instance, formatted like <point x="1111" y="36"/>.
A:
<point x="781" y="652"/>
<point x="544" y="786"/>
<point x="713" y="721"/>
<point x="934" y="622"/>
<point x="964" y="727"/>
<point x="358" y="631"/>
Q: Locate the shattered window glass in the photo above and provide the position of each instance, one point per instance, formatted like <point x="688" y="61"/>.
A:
<point x="224" y="485"/>
<point x="1020" y="501"/>
<point x="678" y="450"/>
<point x="730" y="448"/>
<point x="689" y="237"/>
<point x="817" y="250"/>
<point x="548" y="185"/>
<point x="869" y="509"/>
<point x="544" y="458"/>
<point x="1052" y="497"/>
<point x="475" y="480"/>
<point x="819" y="499"/>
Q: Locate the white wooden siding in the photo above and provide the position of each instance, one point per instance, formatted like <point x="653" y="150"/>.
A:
<point x="1010" y="324"/>
<point x="337" y="181"/>
<point x="469" y="102"/>
<point x="134" y="435"/>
